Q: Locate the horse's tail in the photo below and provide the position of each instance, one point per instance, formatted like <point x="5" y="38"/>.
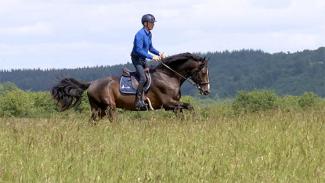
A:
<point x="68" y="93"/>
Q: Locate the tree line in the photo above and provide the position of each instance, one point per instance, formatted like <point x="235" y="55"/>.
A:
<point x="229" y="71"/>
<point x="15" y="102"/>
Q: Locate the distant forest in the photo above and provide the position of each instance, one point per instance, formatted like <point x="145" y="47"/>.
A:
<point x="230" y="72"/>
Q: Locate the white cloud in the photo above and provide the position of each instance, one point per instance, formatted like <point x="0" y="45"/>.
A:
<point x="38" y="28"/>
<point x="275" y="4"/>
<point x="76" y="33"/>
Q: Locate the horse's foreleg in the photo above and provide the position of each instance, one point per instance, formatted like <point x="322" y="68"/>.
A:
<point x="187" y="106"/>
<point x="174" y="106"/>
<point x="169" y="107"/>
<point x="178" y="106"/>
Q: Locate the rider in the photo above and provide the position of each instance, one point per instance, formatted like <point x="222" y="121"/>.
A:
<point x="141" y="45"/>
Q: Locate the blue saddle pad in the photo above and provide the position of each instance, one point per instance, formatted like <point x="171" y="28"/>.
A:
<point x="126" y="86"/>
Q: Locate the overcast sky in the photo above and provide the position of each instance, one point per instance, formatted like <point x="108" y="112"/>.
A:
<point x="80" y="33"/>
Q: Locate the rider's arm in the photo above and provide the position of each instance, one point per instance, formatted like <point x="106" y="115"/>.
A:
<point x="138" y="44"/>
<point x="153" y="50"/>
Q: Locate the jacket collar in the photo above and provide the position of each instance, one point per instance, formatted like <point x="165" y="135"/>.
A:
<point x="146" y="31"/>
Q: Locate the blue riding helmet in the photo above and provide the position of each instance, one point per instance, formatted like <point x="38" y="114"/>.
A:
<point x="148" y="18"/>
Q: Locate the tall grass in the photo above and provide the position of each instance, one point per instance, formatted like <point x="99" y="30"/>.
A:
<point x="211" y="145"/>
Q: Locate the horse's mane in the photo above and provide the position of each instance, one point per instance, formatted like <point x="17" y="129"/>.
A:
<point x="178" y="58"/>
<point x="183" y="57"/>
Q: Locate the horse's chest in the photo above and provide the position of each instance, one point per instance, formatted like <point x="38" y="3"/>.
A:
<point x="173" y="92"/>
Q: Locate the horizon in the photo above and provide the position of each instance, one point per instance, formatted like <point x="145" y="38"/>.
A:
<point x="96" y="66"/>
<point x="73" y="34"/>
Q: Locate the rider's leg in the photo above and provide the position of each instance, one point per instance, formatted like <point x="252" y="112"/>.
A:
<point x="139" y="66"/>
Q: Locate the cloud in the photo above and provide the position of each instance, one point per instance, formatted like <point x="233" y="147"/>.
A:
<point x="38" y="28"/>
<point x="76" y="33"/>
<point x="59" y="55"/>
<point x="275" y="4"/>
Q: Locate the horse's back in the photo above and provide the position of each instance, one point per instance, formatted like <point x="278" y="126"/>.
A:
<point x="101" y="87"/>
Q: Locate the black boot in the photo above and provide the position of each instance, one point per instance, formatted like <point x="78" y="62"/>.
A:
<point x="139" y="103"/>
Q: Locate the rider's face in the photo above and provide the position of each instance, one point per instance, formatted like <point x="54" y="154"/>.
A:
<point x="149" y="25"/>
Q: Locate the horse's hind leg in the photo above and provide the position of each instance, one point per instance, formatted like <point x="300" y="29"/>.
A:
<point x="95" y="110"/>
<point x="111" y="112"/>
<point x="108" y="102"/>
<point x="94" y="115"/>
<point x="109" y="108"/>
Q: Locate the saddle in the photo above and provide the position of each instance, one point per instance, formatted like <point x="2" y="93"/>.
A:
<point x="129" y="82"/>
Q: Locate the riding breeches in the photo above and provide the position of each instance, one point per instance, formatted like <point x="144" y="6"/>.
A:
<point x="139" y="65"/>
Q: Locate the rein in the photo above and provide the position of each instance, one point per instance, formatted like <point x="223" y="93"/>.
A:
<point x="186" y="79"/>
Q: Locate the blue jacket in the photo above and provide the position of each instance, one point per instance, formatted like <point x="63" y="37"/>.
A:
<point x="142" y="44"/>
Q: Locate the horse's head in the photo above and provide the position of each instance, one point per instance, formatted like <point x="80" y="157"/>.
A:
<point x="190" y="66"/>
<point x="200" y="76"/>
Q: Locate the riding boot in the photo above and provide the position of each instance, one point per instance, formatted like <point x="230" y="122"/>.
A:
<point x="139" y="103"/>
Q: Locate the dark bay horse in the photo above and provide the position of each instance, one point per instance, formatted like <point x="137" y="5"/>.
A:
<point x="165" y="91"/>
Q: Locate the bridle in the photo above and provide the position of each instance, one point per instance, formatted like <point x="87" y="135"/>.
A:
<point x="197" y="85"/>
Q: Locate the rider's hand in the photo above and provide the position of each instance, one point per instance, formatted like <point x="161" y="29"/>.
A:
<point x="146" y="69"/>
<point x="156" y="58"/>
<point x="162" y="55"/>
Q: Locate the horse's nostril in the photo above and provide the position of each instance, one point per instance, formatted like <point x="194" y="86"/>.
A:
<point x="206" y="92"/>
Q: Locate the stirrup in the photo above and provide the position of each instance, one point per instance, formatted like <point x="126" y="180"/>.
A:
<point x="141" y="106"/>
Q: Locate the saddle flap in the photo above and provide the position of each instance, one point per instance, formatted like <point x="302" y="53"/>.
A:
<point x="130" y="83"/>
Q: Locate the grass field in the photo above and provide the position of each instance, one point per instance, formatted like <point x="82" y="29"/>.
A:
<point x="211" y="145"/>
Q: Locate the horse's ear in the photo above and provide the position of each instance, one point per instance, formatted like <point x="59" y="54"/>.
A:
<point x="204" y="60"/>
<point x="202" y="64"/>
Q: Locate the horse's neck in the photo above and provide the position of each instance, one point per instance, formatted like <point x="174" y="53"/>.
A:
<point x="183" y="69"/>
<point x="179" y="73"/>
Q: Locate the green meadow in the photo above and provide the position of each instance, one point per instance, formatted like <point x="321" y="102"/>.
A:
<point x="244" y="140"/>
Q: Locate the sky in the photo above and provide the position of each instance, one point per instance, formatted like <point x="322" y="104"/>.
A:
<point x="50" y="34"/>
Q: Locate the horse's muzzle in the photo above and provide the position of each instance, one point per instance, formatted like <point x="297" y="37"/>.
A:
<point x="204" y="92"/>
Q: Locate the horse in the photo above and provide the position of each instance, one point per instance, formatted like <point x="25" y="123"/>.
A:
<point x="167" y="77"/>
